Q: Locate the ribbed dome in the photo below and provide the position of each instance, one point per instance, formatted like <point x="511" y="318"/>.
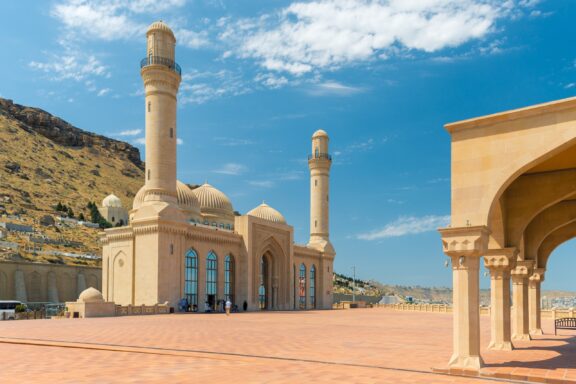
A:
<point x="319" y="133"/>
<point x="212" y="200"/>
<point x="266" y="212"/>
<point x="112" y="201"/>
<point x="159" y="26"/>
<point x="91" y="295"/>
<point x="187" y="200"/>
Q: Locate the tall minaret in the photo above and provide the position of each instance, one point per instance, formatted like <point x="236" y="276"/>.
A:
<point x="161" y="76"/>
<point x="319" y="163"/>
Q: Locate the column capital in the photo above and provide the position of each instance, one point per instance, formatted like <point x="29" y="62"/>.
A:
<point x="500" y="259"/>
<point x="523" y="270"/>
<point x="465" y="241"/>
<point x="537" y="275"/>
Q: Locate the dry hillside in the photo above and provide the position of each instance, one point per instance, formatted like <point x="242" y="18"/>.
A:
<point x="45" y="160"/>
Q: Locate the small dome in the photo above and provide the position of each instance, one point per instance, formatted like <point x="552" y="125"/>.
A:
<point x="91" y="295"/>
<point x="159" y="26"/>
<point x="212" y="200"/>
<point x="112" y="201"/>
<point x="187" y="200"/>
<point x="266" y="212"/>
<point x="320" y="133"/>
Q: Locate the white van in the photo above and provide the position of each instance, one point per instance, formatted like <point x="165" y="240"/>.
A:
<point x="8" y="309"/>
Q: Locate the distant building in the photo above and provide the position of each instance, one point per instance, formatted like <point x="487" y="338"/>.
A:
<point x="113" y="211"/>
<point x="11" y="227"/>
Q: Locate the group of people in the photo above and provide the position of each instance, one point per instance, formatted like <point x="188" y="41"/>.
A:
<point x="220" y="306"/>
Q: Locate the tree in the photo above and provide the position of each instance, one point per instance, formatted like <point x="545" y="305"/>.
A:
<point x="59" y="206"/>
<point x="81" y="217"/>
<point x="70" y="212"/>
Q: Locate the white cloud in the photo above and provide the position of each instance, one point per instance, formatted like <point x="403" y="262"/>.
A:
<point x="262" y="183"/>
<point x="71" y="64"/>
<point x="113" y="19"/>
<point x="333" y="88"/>
<point x="129" y="132"/>
<point x="200" y="87"/>
<point x="103" y="92"/>
<point x="179" y="141"/>
<point x="407" y="226"/>
<point x="232" y="142"/>
<point x="232" y="169"/>
<point x="140" y="140"/>
<point x="327" y="34"/>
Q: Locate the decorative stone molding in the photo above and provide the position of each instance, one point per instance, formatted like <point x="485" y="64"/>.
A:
<point x="522" y="270"/>
<point x="501" y="259"/>
<point x="465" y="241"/>
<point x="537" y="276"/>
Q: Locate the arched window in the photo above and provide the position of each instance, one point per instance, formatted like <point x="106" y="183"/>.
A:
<point x="229" y="271"/>
<point x="211" y="278"/>
<point x="313" y="286"/>
<point x="316" y="153"/>
<point x="191" y="278"/>
<point x="302" y="288"/>
<point x="171" y="132"/>
<point x="148" y="174"/>
<point x="149" y="106"/>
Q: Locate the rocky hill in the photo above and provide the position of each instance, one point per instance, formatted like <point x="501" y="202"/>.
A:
<point x="44" y="160"/>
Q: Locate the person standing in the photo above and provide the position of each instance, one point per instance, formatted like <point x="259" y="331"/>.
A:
<point x="228" y="307"/>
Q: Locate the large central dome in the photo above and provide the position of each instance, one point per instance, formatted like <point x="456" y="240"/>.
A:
<point x="186" y="200"/>
<point x="213" y="202"/>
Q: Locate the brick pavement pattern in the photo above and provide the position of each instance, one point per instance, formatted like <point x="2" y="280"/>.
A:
<point x="356" y="346"/>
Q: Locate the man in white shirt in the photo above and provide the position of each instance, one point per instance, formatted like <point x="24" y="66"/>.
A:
<point x="228" y="306"/>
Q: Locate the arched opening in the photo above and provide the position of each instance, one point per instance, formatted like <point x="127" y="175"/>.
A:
<point x="313" y="286"/>
<point x="302" y="286"/>
<point x="191" y="277"/>
<point x="559" y="277"/>
<point x="211" y="279"/>
<point x="265" y="287"/>
<point x="229" y="278"/>
<point x="295" y="285"/>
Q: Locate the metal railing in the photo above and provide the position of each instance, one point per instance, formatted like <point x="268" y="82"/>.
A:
<point x="159" y="60"/>
<point x="325" y="156"/>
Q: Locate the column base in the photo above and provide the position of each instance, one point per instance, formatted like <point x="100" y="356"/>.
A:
<point x="537" y="331"/>
<point x="466" y="363"/>
<point x="504" y="346"/>
<point x="524" y="337"/>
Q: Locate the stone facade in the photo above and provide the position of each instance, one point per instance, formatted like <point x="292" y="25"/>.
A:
<point x="36" y="282"/>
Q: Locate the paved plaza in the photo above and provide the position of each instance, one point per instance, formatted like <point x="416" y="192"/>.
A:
<point x="356" y="346"/>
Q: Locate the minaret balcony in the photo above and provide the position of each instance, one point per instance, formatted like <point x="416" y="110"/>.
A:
<point x="323" y="156"/>
<point x="159" y="60"/>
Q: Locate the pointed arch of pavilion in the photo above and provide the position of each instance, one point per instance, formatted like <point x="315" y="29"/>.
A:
<point x="513" y="199"/>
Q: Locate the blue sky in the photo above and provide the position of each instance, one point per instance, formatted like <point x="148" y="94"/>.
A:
<point x="259" y="77"/>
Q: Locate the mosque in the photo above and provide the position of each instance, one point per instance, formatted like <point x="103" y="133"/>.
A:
<point x="189" y="243"/>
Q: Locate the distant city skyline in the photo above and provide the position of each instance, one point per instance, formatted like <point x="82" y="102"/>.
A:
<point x="260" y="77"/>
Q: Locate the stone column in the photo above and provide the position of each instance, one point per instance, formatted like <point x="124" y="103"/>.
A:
<point x="465" y="246"/>
<point x="520" y="323"/>
<point x="534" y="309"/>
<point x="20" y="286"/>
<point x="52" y="288"/>
<point x="500" y="262"/>
<point x="80" y="283"/>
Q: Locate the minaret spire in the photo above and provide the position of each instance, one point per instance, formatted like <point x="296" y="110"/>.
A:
<point x="319" y="163"/>
<point x="161" y="76"/>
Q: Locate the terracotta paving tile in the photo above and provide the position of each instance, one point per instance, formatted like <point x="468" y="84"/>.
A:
<point x="356" y="346"/>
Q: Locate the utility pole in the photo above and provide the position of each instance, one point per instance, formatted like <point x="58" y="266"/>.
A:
<point x="354" y="284"/>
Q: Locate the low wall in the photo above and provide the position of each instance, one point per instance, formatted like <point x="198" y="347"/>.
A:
<point x="340" y="297"/>
<point x="137" y="310"/>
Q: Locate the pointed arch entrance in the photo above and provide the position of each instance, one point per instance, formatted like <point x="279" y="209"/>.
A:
<point x="265" y="289"/>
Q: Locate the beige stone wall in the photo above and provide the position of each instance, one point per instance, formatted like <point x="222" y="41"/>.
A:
<point x="114" y="214"/>
<point x="35" y="282"/>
